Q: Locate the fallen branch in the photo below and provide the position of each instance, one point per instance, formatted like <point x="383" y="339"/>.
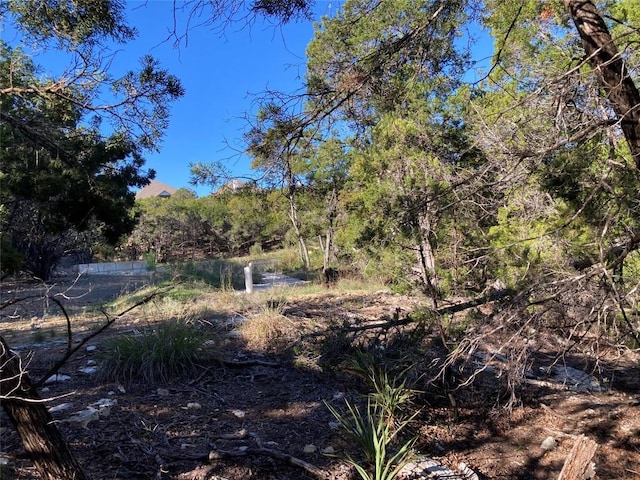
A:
<point x="578" y="465"/>
<point x="359" y="328"/>
<point x="249" y="363"/>
<point x="457" y="307"/>
<point x="261" y="450"/>
<point x="309" y="468"/>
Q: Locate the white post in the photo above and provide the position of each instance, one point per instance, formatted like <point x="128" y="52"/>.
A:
<point x="248" y="278"/>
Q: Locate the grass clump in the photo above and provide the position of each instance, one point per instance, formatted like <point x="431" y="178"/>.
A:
<point x="156" y="355"/>
<point x="269" y="328"/>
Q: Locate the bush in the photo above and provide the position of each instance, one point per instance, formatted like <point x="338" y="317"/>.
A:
<point x="10" y="259"/>
<point x="374" y="434"/>
<point x="375" y="431"/>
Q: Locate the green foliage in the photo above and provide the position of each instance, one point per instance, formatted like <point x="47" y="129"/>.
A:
<point x="390" y="390"/>
<point x="157" y="355"/>
<point x="228" y="223"/>
<point x="63" y="176"/>
<point x="255" y="250"/>
<point x="377" y="428"/>
<point x="10" y="259"/>
<point x="374" y="435"/>
<point x="71" y="24"/>
<point x="216" y="273"/>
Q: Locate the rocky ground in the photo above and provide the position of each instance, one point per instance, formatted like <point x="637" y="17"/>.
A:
<point x="261" y="414"/>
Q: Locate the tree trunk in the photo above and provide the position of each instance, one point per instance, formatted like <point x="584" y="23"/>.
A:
<point x="329" y="246"/>
<point x="40" y="436"/>
<point x="609" y="65"/>
<point x="295" y="221"/>
<point x="426" y="256"/>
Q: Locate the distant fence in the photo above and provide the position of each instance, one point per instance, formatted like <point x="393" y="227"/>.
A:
<point x="112" y="268"/>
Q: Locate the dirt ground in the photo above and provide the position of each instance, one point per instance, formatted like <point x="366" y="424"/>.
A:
<point x="248" y="416"/>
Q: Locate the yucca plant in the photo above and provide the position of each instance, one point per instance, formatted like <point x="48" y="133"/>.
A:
<point x="390" y="391"/>
<point x="374" y="434"/>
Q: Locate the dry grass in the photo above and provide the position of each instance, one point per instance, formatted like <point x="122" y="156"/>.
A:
<point x="266" y="327"/>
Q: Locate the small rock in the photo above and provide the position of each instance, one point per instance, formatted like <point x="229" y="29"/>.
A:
<point x="549" y="444"/>
<point x="162" y="392"/>
<point x="104" y="406"/>
<point x="88" y="370"/>
<point x="576" y="380"/>
<point x="194" y="405"/>
<point x="60" y="408"/>
<point x="58" y="377"/>
<point x="84" y="417"/>
<point x="328" y="450"/>
<point x="91" y="363"/>
<point x="239" y="413"/>
<point x="334" y="425"/>
<point x="310" y="448"/>
<point x="91" y="348"/>
<point x="243" y="448"/>
<point x="105" y="402"/>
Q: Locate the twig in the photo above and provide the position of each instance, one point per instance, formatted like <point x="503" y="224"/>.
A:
<point x="309" y="468"/>
<point x="359" y="328"/>
<point x="249" y="363"/>
<point x="261" y="450"/>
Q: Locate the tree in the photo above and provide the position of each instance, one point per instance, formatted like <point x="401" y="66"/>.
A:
<point x="63" y="173"/>
<point x="41" y="438"/>
<point x="277" y="145"/>
<point x="329" y="168"/>
<point x="382" y="69"/>
<point x="66" y="173"/>
<point x="567" y="224"/>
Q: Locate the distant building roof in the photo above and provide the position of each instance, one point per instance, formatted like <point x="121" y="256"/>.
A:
<point x="156" y="189"/>
<point x="233" y="186"/>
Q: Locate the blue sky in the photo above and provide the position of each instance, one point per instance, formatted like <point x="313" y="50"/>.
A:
<point x="221" y="73"/>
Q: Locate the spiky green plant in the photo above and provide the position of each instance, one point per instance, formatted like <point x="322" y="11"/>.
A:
<point x="374" y="434"/>
<point x="390" y="390"/>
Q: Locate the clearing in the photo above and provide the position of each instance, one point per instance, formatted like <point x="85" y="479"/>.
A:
<point x="262" y="404"/>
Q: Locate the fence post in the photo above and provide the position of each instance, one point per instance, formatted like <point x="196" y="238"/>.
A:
<point x="248" y="278"/>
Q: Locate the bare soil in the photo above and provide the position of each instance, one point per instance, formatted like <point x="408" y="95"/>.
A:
<point x="239" y="418"/>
